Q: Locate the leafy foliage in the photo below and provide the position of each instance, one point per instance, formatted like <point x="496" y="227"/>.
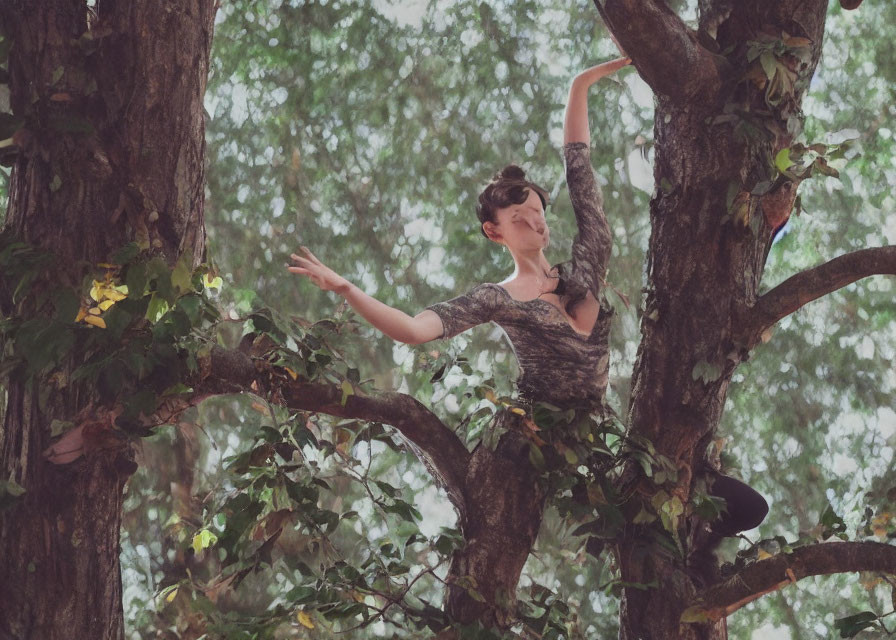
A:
<point x="347" y="126"/>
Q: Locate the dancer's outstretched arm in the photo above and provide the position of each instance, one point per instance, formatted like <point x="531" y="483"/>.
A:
<point x="396" y="324"/>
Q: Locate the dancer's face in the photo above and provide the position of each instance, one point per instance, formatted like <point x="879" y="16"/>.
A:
<point x="520" y="226"/>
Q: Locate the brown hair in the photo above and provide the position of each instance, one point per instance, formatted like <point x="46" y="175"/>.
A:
<point x="508" y="186"/>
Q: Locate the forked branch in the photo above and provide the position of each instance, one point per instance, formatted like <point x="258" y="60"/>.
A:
<point x="665" y="51"/>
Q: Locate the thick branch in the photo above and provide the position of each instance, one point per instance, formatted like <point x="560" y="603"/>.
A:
<point x="775" y="573"/>
<point x="232" y="371"/>
<point x="814" y="283"/>
<point x="663" y="49"/>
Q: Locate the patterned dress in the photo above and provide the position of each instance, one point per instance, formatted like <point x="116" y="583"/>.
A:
<point x="558" y="364"/>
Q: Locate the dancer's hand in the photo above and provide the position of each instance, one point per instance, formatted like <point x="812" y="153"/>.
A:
<point x="320" y="274"/>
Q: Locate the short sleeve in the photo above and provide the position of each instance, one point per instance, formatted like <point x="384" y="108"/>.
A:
<point x="593" y="243"/>
<point x="477" y="306"/>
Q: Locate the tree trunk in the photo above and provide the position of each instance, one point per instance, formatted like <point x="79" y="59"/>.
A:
<point x="503" y="507"/>
<point x="709" y="241"/>
<point x="112" y="151"/>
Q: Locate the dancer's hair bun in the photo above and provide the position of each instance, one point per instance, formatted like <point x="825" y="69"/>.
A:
<point x="510" y="172"/>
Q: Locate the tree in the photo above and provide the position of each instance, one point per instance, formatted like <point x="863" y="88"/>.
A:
<point x="109" y="149"/>
<point x="727" y="169"/>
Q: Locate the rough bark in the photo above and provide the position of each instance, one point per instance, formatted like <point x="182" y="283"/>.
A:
<point x="504" y="504"/>
<point x="111" y="152"/>
<point x="665" y="52"/>
<point x="702" y="255"/>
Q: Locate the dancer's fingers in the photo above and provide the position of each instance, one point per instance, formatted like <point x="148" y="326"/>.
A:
<point x="311" y="255"/>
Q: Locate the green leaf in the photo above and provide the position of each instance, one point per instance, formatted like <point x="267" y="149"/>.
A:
<point x="156" y="309"/>
<point x="769" y="64"/>
<point x="67" y="305"/>
<point x="182" y="274"/>
<point x="125" y="254"/>
<point x="536" y="457"/>
<point x="782" y="160"/>
<point x="851" y="625"/>
<point x="136" y="280"/>
<point x="203" y="539"/>
<point x="13" y="488"/>
<point x="347" y="391"/>
<point x="832" y="523"/>
<point x="643" y="517"/>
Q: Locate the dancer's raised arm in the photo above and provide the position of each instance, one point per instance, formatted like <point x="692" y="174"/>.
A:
<point x="592" y="245"/>
<point x="396" y="324"/>
<point x="575" y="124"/>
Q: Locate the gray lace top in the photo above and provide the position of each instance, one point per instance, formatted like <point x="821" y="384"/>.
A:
<point x="558" y="364"/>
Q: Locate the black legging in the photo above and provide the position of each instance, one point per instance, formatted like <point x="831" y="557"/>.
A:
<point x="746" y="508"/>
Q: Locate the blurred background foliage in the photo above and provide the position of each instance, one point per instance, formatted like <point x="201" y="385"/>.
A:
<point x="365" y="130"/>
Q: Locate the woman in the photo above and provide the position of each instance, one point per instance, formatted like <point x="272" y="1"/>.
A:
<point x="553" y="316"/>
<point x="556" y="317"/>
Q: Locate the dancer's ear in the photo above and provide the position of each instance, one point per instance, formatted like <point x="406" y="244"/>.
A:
<point x="490" y="229"/>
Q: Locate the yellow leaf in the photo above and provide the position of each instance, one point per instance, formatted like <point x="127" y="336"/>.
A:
<point x="95" y="290"/>
<point x="203" y="539"/>
<point x="357" y="597"/>
<point x="763" y="554"/>
<point x="81" y="313"/>
<point x="112" y="294"/>
<point x="304" y="619"/>
<point x="94" y="310"/>
<point x="490" y="396"/>
<point x="291" y="373"/>
<point x="212" y="283"/>
<point x="171" y="596"/>
<point x="105" y="304"/>
<point x="96" y="321"/>
<point x="518" y="411"/>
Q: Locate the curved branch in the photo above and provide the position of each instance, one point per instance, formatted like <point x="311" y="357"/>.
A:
<point x="767" y="576"/>
<point x="663" y="49"/>
<point x="814" y="283"/>
<point x="446" y="457"/>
